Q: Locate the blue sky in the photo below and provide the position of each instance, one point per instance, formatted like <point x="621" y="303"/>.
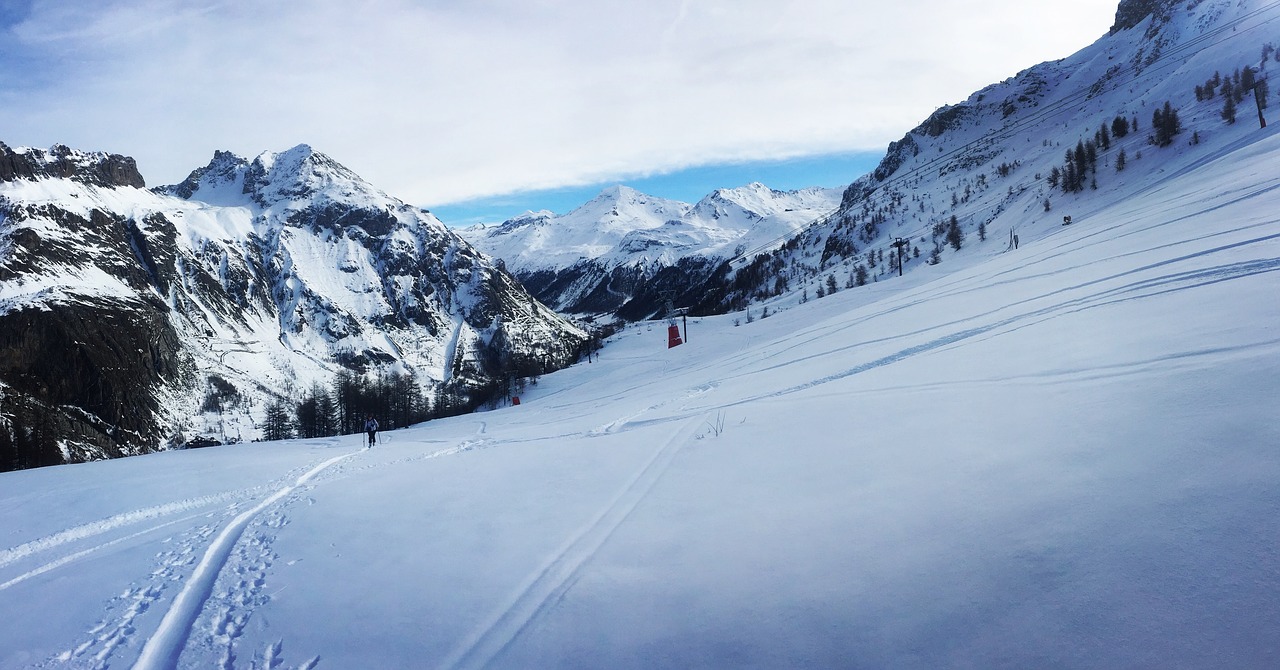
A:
<point x="688" y="185"/>
<point x="444" y="103"/>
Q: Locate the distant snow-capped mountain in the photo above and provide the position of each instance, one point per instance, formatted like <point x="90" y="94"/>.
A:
<point x="123" y="308"/>
<point x="603" y="256"/>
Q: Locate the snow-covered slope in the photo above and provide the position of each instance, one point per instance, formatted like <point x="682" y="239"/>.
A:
<point x="138" y="310"/>
<point x="601" y="255"/>
<point x="1061" y="456"/>
<point x="996" y="164"/>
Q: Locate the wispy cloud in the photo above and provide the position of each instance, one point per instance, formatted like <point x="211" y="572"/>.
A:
<point x="440" y="101"/>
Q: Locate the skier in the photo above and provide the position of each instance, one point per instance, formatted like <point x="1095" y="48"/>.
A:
<point x="371" y="427"/>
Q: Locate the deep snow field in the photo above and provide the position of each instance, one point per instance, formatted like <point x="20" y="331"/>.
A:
<point x="1064" y="456"/>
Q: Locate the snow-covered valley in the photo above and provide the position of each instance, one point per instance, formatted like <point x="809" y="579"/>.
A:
<point x="1063" y="455"/>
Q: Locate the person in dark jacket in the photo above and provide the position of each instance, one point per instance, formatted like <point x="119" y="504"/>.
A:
<point x="371" y="427"/>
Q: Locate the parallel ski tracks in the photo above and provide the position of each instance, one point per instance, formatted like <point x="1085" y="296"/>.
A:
<point x="546" y="585"/>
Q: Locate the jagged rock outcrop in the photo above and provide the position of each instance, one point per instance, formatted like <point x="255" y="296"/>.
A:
<point x="1130" y="13"/>
<point x="63" y="162"/>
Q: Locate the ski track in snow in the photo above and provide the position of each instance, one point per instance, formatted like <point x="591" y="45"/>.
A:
<point x="118" y="627"/>
<point x="548" y="584"/>
<point x="163" y="648"/>
<point x="103" y="526"/>
<point x="73" y="557"/>
<point x="1033" y="317"/>
<point x="240" y="589"/>
<point x="1139" y="289"/>
<point x="220" y="593"/>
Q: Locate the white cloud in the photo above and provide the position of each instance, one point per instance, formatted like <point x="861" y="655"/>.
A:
<point x="440" y="101"/>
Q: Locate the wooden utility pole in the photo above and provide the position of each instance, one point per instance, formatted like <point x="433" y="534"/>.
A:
<point x="900" y="244"/>
<point x="1257" y="98"/>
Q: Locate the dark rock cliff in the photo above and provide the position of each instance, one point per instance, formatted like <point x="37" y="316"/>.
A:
<point x="62" y="162"/>
<point x="1133" y="12"/>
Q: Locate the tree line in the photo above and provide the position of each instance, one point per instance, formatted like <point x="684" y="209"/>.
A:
<point x="395" y="400"/>
<point x="28" y="439"/>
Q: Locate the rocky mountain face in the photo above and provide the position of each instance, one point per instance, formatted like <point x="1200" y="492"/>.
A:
<point x="624" y="252"/>
<point x="122" y="310"/>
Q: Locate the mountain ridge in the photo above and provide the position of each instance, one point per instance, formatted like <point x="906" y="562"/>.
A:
<point x="299" y="272"/>
<point x="605" y="253"/>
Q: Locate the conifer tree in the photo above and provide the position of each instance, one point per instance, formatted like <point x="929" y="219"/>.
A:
<point x="1070" y="178"/>
<point x="1166" y="125"/>
<point x="1228" y="109"/>
<point x="8" y="450"/>
<point x="276" y="425"/>
<point x="955" y="237"/>
<point x="1120" y="127"/>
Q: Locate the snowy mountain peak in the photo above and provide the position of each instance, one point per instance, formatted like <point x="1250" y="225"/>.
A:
<point x="603" y="253"/>
<point x="756" y="200"/>
<point x="301" y="174"/>
<point x="526" y="220"/>
<point x="617" y="192"/>
<point x="219" y="182"/>
<point x="625" y="205"/>
<point x="293" y="179"/>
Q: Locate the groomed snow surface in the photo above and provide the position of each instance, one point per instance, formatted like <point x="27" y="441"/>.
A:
<point x="1065" y="455"/>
